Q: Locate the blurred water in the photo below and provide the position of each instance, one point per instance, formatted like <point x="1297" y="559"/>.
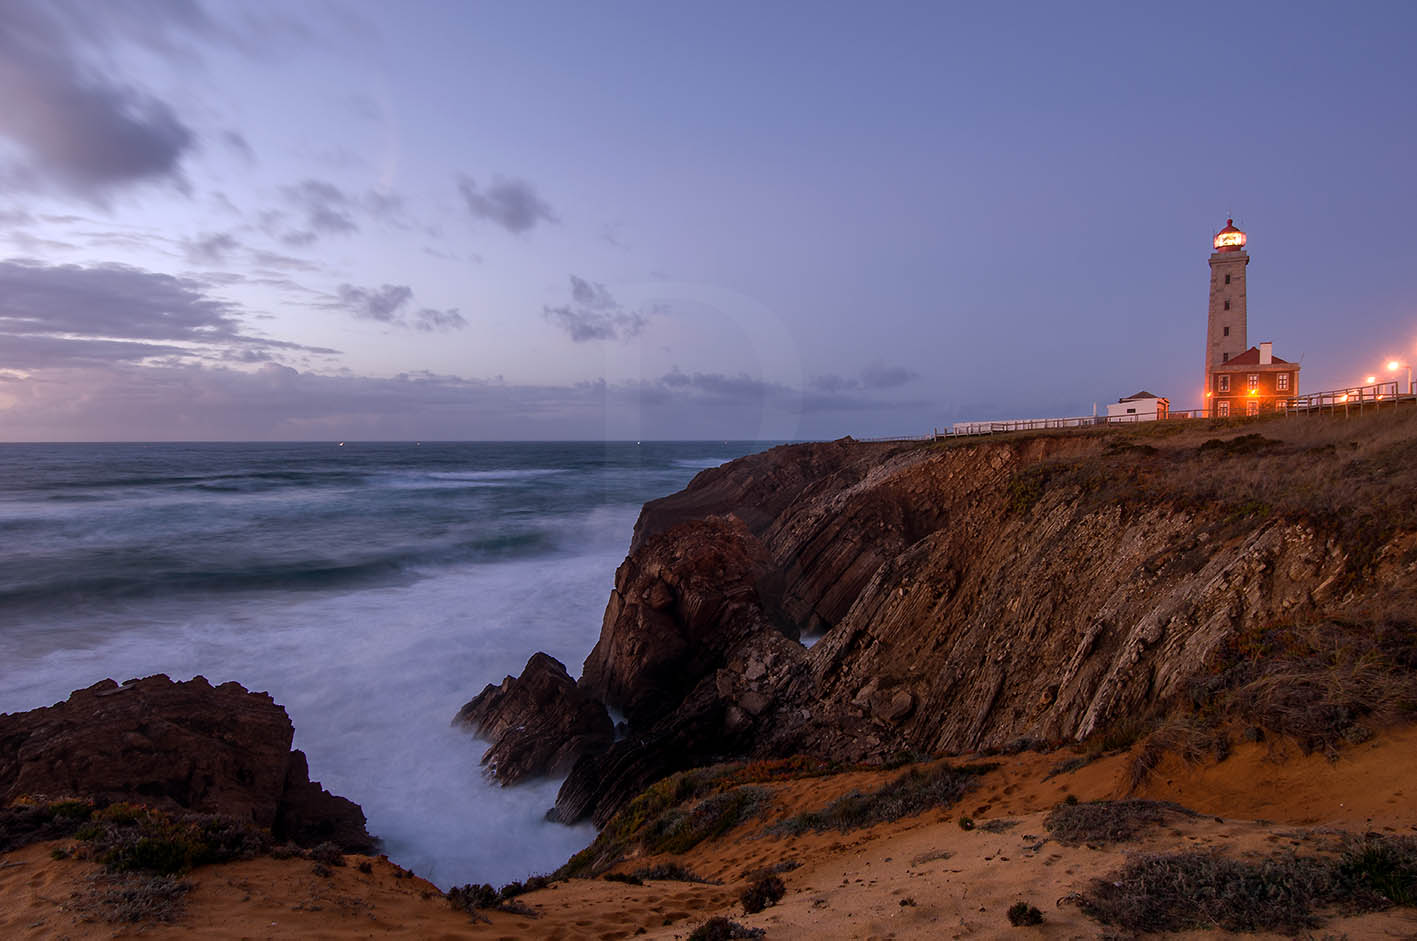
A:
<point x="371" y="589"/>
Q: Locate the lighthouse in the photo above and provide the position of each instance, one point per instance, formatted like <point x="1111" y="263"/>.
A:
<point x="1226" y="335"/>
<point x="1240" y="380"/>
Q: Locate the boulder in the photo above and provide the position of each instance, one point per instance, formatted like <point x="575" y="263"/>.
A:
<point x="188" y="746"/>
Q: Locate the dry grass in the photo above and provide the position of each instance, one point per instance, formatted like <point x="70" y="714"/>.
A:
<point x="1102" y="822"/>
<point x="916" y="791"/>
<point x="1282" y="893"/>
<point x="133" y="898"/>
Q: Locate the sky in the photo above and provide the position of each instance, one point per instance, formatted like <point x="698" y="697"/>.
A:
<point x="618" y="220"/>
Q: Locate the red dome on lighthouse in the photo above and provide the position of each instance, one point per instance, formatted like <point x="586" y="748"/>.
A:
<point x="1229" y="239"/>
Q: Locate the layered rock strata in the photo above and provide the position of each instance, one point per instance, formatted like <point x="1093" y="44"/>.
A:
<point x="964" y="596"/>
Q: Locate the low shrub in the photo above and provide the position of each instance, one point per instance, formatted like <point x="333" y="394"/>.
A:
<point x="25" y="823"/>
<point x="1181" y="891"/>
<point x="1075" y="822"/>
<point x="471" y="897"/>
<point x="912" y="793"/>
<point x="669" y="872"/>
<point x="1022" y="914"/>
<point x="625" y="877"/>
<point x="130" y="838"/>
<point x="657" y="820"/>
<point x="678" y="831"/>
<point x="766" y="891"/>
<point x="133" y="898"/>
<point x="721" y="929"/>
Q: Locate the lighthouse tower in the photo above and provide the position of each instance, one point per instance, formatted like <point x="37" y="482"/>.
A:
<point x="1225" y="332"/>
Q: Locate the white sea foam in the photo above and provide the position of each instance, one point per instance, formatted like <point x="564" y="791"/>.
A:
<point x="371" y="678"/>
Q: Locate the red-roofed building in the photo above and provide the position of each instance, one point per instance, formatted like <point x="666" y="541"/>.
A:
<point x="1253" y="382"/>
<point x="1239" y="381"/>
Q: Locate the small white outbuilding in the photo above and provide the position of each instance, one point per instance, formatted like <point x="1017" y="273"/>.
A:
<point x="1143" y="406"/>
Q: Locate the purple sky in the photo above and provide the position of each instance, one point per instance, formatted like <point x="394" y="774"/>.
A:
<point x="644" y="220"/>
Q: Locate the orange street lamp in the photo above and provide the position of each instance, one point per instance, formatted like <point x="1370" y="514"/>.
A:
<point x="1393" y="366"/>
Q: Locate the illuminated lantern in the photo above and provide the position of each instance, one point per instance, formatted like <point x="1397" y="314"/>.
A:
<point x="1229" y="239"/>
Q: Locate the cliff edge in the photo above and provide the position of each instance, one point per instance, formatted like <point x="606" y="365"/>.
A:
<point x="964" y="595"/>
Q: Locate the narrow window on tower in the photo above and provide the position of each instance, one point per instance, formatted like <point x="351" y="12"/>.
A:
<point x="1227" y="331"/>
<point x="1227" y="303"/>
<point x="1227" y="279"/>
<point x="1225" y="357"/>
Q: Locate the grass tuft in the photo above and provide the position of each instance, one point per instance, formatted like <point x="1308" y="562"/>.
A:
<point x="1022" y="914"/>
<point x="766" y="891"/>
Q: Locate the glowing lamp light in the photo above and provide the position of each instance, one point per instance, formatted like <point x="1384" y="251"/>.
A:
<point x="1229" y="239"/>
<point x="1371" y="379"/>
<point x="1392" y="365"/>
<point x="1343" y="397"/>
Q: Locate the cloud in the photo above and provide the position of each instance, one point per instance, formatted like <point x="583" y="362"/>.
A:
<point x="385" y="305"/>
<point x="824" y="394"/>
<point x="872" y="378"/>
<point x="74" y="128"/>
<point x="381" y="304"/>
<point x="282" y="262"/>
<point x="887" y="377"/>
<point x="430" y="320"/>
<point x="57" y="314"/>
<point x="236" y="142"/>
<point x="594" y="314"/>
<point x="210" y="249"/>
<point x="321" y="207"/>
<point x="512" y="204"/>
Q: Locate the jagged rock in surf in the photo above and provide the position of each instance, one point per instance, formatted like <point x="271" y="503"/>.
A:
<point x="539" y="723"/>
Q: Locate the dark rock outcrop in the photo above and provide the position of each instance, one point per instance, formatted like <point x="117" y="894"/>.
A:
<point x="539" y="723"/>
<point x="679" y="604"/>
<point x="177" y="745"/>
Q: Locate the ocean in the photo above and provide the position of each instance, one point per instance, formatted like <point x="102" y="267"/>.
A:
<point x="370" y="588"/>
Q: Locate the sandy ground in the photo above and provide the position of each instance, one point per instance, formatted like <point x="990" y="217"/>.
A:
<point x="922" y="877"/>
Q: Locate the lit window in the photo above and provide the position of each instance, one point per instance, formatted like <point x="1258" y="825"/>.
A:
<point x="1282" y="383"/>
<point x="1222" y="410"/>
<point x="1252" y="409"/>
<point x="1224" y="383"/>
<point x="1252" y="381"/>
<point x="1227" y="331"/>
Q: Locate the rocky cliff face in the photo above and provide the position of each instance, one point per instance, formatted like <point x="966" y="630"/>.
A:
<point x="179" y="745"/>
<point x="970" y="595"/>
